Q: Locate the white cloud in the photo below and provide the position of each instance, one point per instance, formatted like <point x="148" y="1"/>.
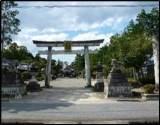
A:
<point x="94" y="36"/>
<point x="86" y="3"/>
<point x="53" y="37"/>
<point x="50" y="30"/>
<point x="88" y="23"/>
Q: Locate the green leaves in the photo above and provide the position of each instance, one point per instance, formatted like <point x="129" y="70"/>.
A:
<point x="132" y="47"/>
<point x="9" y="22"/>
<point x="149" y="21"/>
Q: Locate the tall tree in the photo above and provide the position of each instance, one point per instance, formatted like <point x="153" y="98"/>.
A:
<point x="150" y="22"/>
<point x="9" y="22"/>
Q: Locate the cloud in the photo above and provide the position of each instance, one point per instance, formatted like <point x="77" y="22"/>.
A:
<point x="75" y="19"/>
<point x="94" y="36"/>
<point x="73" y="23"/>
<point x="26" y="37"/>
<point x="53" y="37"/>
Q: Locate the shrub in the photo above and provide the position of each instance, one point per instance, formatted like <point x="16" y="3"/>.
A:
<point x="39" y="77"/>
<point x="148" y="88"/>
<point x="25" y="76"/>
<point x="147" y="80"/>
<point x="134" y="83"/>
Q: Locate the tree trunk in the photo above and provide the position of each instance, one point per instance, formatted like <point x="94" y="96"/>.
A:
<point x="142" y="74"/>
<point x="155" y="45"/>
<point x="134" y="74"/>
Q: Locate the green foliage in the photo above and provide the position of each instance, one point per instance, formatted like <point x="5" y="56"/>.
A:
<point x="25" y="76"/>
<point x="132" y="47"/>
<point x="79" y="63"/>
<point x="134" y="83"/>
<point x="147" y="80"/>
<point x="39" y="76"/>
<point x="10" y="24"/>
<point x="57" y="67"/>
<point x="150" y="21"/>
<point x="39" y="62"/>
<point x="149" y="88"/>
<point x="19" y="53"/>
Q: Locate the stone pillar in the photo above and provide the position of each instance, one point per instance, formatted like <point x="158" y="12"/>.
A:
<point x="48" y="71"/>
<point x="87" y="66"/>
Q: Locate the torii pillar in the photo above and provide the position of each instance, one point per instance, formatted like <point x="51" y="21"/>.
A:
<point x="48" y="68"/>
<point x="87" y="66"/>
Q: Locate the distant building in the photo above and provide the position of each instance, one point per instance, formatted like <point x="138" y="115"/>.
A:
<point x="9" y="64"/>
<point x="68" y="72"/>
<point x="24" y="67"/>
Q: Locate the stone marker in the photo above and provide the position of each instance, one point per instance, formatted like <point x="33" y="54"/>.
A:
<point x="12" y="83"/>
<point x="117" y="84"/>
<point x="99" y="85"/>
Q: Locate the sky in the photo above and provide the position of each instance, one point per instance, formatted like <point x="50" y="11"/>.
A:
<point x="73" y="23"/>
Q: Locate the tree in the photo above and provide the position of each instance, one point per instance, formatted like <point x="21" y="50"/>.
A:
<point x="150" y="22"/>
<point x="19" y="53"/>
<point x="9" y="22"/>
<point x="79" y="63"/>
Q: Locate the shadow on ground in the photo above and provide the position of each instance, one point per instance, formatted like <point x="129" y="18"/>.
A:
<point x="51" y="98"/>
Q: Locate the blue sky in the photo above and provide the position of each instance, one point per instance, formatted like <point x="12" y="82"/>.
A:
<point x="73" y="23"/>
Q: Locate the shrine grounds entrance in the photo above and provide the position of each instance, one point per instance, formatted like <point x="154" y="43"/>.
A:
<point x="68" y="50"/>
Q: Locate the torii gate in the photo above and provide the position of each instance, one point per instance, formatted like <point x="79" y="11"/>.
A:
<point x="49" y="52"/>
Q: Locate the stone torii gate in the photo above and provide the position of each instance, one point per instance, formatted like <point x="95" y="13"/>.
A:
<point x="86" y="52"/>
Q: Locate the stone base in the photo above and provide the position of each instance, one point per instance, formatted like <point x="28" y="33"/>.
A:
<point x="13" y="91"/>
<point x="33" y="86"/>
<point x="150" y="96"/>
<point x="117" y="85"/>
<point x="118" y="91"/>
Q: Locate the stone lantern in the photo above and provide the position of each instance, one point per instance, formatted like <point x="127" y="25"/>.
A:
<point x="33" y="85"/>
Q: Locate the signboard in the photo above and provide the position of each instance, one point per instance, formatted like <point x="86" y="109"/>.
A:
<point x="67" y="46"/>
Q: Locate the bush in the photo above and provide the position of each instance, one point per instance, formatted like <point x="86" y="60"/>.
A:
<point x="134" y="83"/>
<point x="39" y="77"/>
<point x="149" y="88"/>
<point x="147" y="80"/>
<point x="26" y="76"/>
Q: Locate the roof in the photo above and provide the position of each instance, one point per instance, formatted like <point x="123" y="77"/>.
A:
<point x="9" y="61"/>
<point x="74" y="43"/>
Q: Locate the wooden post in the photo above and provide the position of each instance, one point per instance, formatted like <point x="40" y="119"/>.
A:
<point x="87" y="67"/>
<point x="48" y="71"/>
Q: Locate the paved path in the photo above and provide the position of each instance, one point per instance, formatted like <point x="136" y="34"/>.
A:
<point x="69" y="101"/>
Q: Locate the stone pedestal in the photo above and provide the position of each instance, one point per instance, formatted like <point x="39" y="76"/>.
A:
<point x="99" y="85"/>
<point x="117" y="84"/>
<point x="33" y="85"/>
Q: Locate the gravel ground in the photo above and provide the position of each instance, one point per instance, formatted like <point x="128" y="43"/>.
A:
<point x="69" y="102"/>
